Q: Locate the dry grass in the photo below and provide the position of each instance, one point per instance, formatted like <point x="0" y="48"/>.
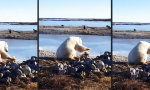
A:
<point x="121" y="82"/>
<point x="50" y="80"/>
<point x="19" y="86"/>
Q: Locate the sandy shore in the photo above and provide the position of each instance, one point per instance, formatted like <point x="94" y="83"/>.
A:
<point x="131" y="34"/>
<point x="103" y="31"/>
<point x="28" y="35"/>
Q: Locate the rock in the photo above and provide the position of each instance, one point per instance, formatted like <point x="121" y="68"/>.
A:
<point x="6" y="73"/>
<point x="26" y="70"/>
<point x="14" y="65"/>
<point x="133" y="73"/>
<point x="6" y="80"/>
<point x="23" y="71"/>
<point x="93" y="67"/>
<point x="84" y="66"/>
<point x="107" y="53"/>
<point x="34" y="67"/>
<point x="22" y="75"/>
<point x="88" y="61"/>
<point x="100" y="65"/>
<point x="1" y="75"/>
<point x="96" y="70"/>
<point x="33" y="58"/>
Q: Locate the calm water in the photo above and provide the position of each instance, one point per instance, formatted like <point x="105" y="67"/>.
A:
<point x="132" y="27"/>
<point x="18" y="27"/>
<point x="21" y="49"/>
<point x="75" y="23"/>
<point x="98" y="44"/>
<point x="122" y="47"/>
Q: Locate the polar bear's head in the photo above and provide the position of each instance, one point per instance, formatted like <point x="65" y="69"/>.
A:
<point x="4" y="46"/>
<point x="79" y="47"/>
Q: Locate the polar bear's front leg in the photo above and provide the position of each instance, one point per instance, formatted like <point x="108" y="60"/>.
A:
<point x="72" y="54"/>
<point x="143" y="59"/>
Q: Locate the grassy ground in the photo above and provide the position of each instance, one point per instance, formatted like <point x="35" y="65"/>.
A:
<point x="19" y="85"/>
<point x="120" y="81"/>
<point x="50" y="80"/>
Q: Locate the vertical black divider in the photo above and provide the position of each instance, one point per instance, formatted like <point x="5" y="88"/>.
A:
<point x="111" y="43"/>
<point x="38" y="42"/>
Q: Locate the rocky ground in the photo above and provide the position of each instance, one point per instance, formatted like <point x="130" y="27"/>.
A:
<point x="84" y="30"/>
<point x="19" y="76"/>
<point x="11" y="34"/>
<point x="129" y="77"/>
<point x="83" y="73"/>
<point x="131" y="34"/>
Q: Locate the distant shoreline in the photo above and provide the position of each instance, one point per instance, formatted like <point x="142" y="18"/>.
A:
<point x="18" y="23"/>
<point x="26" y="35"/>
<point x="131" y="34"/>
<point x="73" y="19"/>
<point x="130" y="23"/>
<point x="76" y="30"/>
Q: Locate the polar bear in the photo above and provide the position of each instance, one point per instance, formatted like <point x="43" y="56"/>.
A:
<point x="67" y="50"/>
<point x="138" y="55"/>
<point x="3" y="50"/>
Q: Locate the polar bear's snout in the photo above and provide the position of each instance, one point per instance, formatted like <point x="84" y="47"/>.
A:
<point x="88" y="49"/>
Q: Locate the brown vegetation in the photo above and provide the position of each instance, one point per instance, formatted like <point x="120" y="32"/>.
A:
<point x="49" y="80"/>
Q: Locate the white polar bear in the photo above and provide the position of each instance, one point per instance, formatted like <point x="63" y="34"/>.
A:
<point x="67" y="50"/>
<point x="3" y="50"/>
<point x="138" y="55"/>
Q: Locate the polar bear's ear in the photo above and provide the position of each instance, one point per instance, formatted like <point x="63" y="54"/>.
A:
<point x="6" y="47"/>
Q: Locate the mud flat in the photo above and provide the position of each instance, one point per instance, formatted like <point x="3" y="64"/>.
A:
<point x="28" y="35"/>
<point x="48" y="79"/>
<point x="131" y="34"/>
<point x="103" y="31"/>
<point x="123" y="77"/>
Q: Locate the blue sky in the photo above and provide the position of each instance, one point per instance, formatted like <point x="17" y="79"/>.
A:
<point x="18" y="10"/>
<point x="131" y="10"/>
<point x="75" y="8"/>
